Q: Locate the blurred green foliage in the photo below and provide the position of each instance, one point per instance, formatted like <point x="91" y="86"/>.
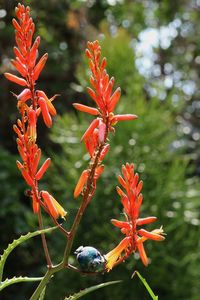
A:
<point x="159" y="83"/>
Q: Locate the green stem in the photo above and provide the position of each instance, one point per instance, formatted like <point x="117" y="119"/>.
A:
<point x="42" y="284"/>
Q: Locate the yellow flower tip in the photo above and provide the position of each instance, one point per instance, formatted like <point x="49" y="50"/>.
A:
<point x="160" y="232"/>
<point x="62" y="213"/>
<point x="113" y="256"/>
<point x="55" y="209"/>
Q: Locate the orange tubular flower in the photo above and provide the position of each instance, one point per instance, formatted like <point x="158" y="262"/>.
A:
<point x="54" y="208"/>
<point x="31" y="103"/>
<point x="134" y="241"/>
<point x="80" y="184"/>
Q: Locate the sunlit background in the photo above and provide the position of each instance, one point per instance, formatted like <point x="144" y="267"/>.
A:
<point x="153" y="51"/>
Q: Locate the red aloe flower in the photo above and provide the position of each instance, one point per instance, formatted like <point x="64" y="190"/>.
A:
<point x="131" y="200"/>
<point x="30" y="103"/>
<point x="101" y="94"/>
<point x="95" y="137"/>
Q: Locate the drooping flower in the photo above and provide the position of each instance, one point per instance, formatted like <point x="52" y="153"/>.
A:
<point x="54" y="208"/>
<point x="81" y="182"/>
<point x="131" y="200"/>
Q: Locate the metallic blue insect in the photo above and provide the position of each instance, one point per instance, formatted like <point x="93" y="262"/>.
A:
<point x="90" y="259"/>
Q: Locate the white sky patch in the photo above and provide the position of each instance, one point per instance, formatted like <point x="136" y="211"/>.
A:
<point x="150" y="39"/>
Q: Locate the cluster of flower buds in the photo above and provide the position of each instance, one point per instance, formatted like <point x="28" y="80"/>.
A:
<point x="95" y="137"/>
<point x="29" y="69"/>
<point x="31" y="103"/>
<point x="131" y="200"/>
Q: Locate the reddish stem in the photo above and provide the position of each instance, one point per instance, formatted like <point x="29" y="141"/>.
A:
<point x="44" y="242"/>
<point x="84" y="203"/>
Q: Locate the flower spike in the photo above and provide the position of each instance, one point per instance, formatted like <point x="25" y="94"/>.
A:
<point x="131" y="200"/>
<point x="31" y="103"/>
<point x="95" y="137"/>
<point x="102" y="94"/>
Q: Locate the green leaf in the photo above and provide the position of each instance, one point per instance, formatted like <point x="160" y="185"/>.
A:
<point x="19" y="279"/>
<point x="17" y="242"/>
<point x="151" y="293"/>
<point x="91" y="289"/>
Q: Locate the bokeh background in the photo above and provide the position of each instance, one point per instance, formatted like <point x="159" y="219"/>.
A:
<point x="153" y="50"/>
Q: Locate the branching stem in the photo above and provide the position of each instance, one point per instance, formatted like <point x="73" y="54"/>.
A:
<point x="85" y="200"/>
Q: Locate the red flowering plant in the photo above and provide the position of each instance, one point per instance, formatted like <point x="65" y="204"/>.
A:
<point x="131" y="200"/>
<point x="33" y="104"/>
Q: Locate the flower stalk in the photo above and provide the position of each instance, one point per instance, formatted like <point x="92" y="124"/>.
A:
<point x="31" y="105"/>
